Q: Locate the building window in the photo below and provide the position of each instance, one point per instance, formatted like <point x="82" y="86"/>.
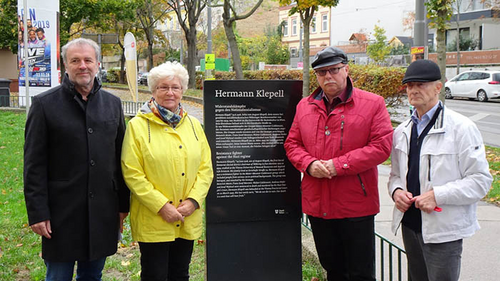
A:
<point x="285" y="28"/>
<point x="324" y="23"/>
<point x="313" y="25"/>
<point x="294" y="27"/>
<point x="451" y="35"/>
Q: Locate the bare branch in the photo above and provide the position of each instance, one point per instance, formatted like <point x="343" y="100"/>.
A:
<point x="242" y="17"/>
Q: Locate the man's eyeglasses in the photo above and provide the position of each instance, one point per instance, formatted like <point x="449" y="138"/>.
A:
<point x="165" y="89"/>
<point x="332" y="71"/>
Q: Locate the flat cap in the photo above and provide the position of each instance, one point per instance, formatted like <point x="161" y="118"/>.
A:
<point x="329" y="56"/>
<point x="422" y="71"/>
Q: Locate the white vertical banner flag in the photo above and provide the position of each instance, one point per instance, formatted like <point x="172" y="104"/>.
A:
<point x="131" y="64"/>
<point x="42" y="29"/>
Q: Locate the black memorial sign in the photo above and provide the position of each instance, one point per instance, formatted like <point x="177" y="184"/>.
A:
<point x="246" y="123"/>
<point x="253" y="206"/>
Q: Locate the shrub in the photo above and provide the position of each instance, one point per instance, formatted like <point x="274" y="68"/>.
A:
<point x="384" y="81"/>
<point x="113" y="75"/>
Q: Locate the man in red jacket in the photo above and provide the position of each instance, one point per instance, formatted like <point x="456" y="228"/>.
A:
<point x="338" y="137"/>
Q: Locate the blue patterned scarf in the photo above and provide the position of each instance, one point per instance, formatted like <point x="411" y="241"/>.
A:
<point x="166" y="115"/>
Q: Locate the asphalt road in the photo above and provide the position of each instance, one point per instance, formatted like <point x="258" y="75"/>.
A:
<point x="486" y="115"/>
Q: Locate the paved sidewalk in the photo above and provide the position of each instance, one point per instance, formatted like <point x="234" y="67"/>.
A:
<point x="481" y="255"/>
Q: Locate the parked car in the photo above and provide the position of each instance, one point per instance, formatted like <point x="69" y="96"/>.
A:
<point x="104" y="75"/>
<point x="480" y="85"/>
<point x="143" y="79"/>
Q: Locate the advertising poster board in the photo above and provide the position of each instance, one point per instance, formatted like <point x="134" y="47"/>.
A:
<point x="42" y="27"/>
<point x="131" y="62"/>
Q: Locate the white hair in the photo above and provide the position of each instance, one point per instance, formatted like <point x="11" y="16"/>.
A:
<point x="168" y="70"/>
<point x="80" y="42"/>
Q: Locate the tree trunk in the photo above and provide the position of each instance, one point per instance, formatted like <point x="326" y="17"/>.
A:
<point x="122" y="67"/>
<point x="306" y="22"/>
<point x="150" y="48"/>
<point x="441" y="58"/>
<point x="231" y="39"/>
<point x="191" y="57"/>
<point x="150" y="33"/>
<point x="229" y="19"/>
<point x="235" y="53"/>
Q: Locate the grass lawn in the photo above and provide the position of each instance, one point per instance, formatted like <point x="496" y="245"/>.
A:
<point x="20" y="248"/>
<point x="493" y="156"/>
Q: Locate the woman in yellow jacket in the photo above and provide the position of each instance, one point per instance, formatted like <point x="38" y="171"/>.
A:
<point x="166" y="163"/>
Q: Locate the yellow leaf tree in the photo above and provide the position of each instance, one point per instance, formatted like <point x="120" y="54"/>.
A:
<point x="306" y="9"/>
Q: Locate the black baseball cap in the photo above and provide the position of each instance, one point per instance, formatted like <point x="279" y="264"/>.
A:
<point x="422" y="71"/>
<point x="329" y="56"/>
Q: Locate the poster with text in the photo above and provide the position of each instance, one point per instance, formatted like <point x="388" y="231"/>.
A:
<point x="246" y="123"/>
<point x="42" y="28"/>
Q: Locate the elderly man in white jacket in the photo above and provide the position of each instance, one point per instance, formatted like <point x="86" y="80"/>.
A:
<point x="439" y="172"/>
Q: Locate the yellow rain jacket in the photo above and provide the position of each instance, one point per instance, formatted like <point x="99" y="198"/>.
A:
<point x="161" y="165"/>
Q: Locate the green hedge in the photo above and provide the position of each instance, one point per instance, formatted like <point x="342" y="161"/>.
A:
<point x="384" y="81"/>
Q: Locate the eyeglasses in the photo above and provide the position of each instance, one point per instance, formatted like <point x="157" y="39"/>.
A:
<point x="332" y="71"/>
<point x="166" y="89"/>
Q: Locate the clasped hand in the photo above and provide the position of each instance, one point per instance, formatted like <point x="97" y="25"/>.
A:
<point x="425" y="202"/>
<point x="171" y="214"/>
<point x="322" y="169"/>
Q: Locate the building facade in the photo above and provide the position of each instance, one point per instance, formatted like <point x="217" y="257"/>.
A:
<point x="479" y="20"/>
<point x="319" y="32"/>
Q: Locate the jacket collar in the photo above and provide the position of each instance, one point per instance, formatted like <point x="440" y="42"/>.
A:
<point x="439" y="126"/>
<point x="69" y="87"/>
<point x="146" y="113"/>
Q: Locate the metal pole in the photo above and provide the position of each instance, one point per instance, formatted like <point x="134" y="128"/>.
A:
<point x="419" y="23"/>
<point x="99" y="41"/>
<point x="209" y="28"/>
<point x="208" y="72"/>
<point x="26" y="60"/>
<point x="426" y="33"/>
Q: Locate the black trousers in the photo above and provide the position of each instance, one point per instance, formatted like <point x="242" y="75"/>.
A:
<point x="166" y="260"/>
<point x="346" y="247"/>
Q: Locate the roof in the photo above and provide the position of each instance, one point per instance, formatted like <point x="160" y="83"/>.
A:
<point x="405" y="40"/>
<point x="360" y="37"/>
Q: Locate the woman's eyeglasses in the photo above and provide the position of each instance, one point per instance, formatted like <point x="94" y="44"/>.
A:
<point x="165" y="89"/>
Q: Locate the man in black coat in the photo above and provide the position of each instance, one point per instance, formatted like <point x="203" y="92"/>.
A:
<point x="74" y="190"/>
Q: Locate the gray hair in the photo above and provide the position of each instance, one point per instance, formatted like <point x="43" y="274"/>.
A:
<point x="81" y="42"/>
<point x="168" y="70"/>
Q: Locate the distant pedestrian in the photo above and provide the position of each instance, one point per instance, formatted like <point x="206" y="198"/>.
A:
<point x="75" y="194"/>
<point x="338" y="137"/>
<point x="439" y="172"/>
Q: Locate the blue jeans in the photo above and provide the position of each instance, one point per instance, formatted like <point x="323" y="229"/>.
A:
<point x="86" y="270"/>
